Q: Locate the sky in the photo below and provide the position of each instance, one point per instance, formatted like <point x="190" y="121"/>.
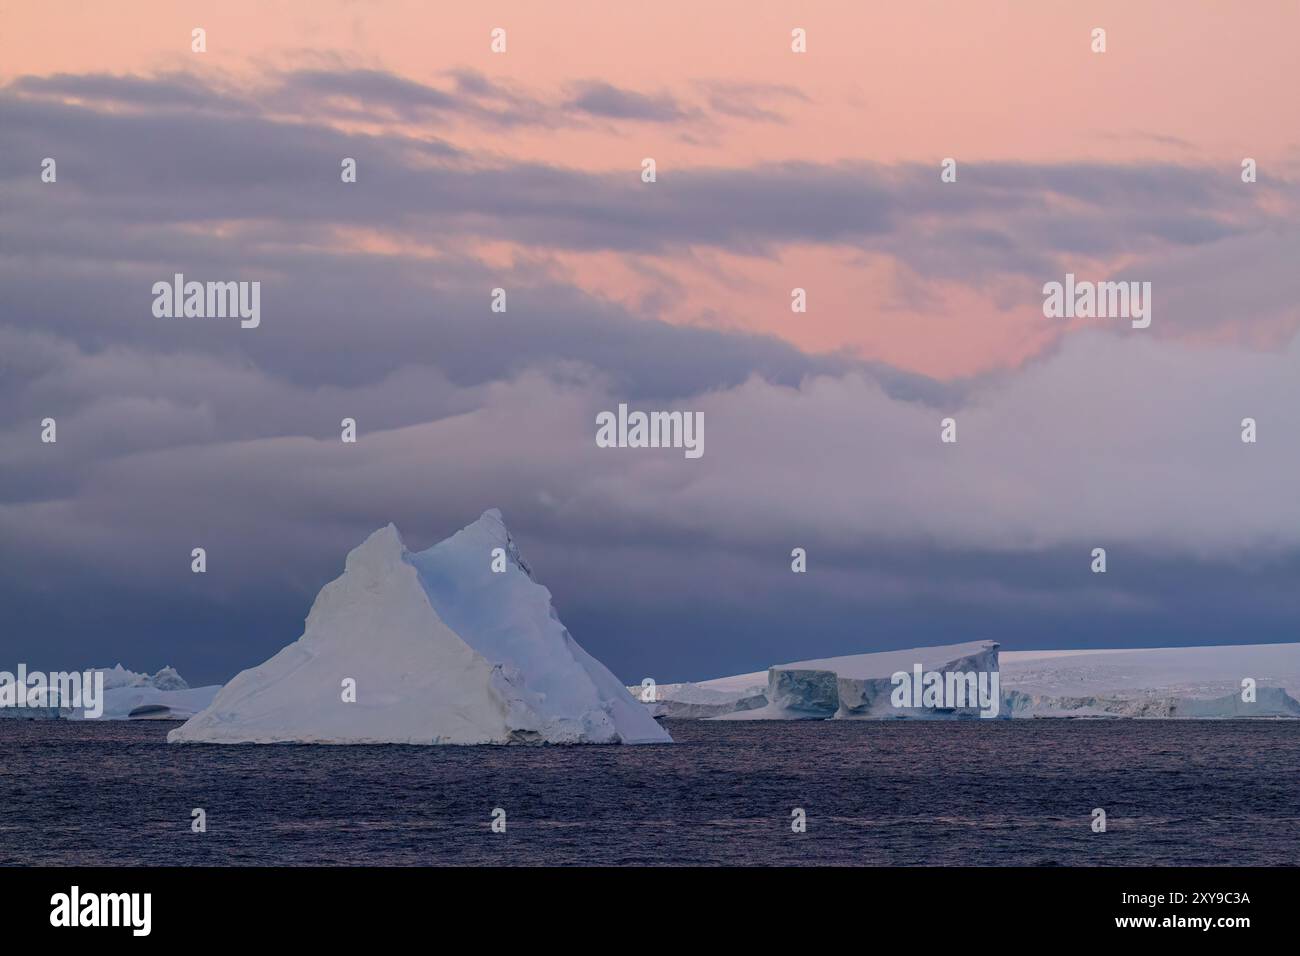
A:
<point x="775" y="170"/>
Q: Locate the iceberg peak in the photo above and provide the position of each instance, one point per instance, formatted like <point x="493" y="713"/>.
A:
<point x="489" y="532"/>
<point x="380" y="551"/>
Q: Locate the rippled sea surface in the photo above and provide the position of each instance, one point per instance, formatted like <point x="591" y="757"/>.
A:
<point x="1004" y="792"/>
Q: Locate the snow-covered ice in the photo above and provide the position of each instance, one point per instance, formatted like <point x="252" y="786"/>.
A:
<point x="710" y="699"/>
<point x="162" y="696"/>
<point x="1153" y="681"/>
<point x="442" y="649"/>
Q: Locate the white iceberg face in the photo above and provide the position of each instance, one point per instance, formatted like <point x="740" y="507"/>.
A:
<point x="150" y="703"/>
<point x="441" y="649"/>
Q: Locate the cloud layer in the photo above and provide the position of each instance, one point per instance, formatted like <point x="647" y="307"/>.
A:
<point x="180" y="433"/>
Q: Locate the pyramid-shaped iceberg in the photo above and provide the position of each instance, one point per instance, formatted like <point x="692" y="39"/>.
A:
<point x="440" y="648"/>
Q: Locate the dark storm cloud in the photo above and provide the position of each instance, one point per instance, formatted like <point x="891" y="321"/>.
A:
<point x="177" y="432"/>
<point x="681" y="574"/>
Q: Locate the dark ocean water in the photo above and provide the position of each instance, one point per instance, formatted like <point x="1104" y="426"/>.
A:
<point x="995" y="792"/>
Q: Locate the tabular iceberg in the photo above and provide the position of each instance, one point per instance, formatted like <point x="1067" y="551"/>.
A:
<point x="440" y="648"/>
<point x="859" y="686"/>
